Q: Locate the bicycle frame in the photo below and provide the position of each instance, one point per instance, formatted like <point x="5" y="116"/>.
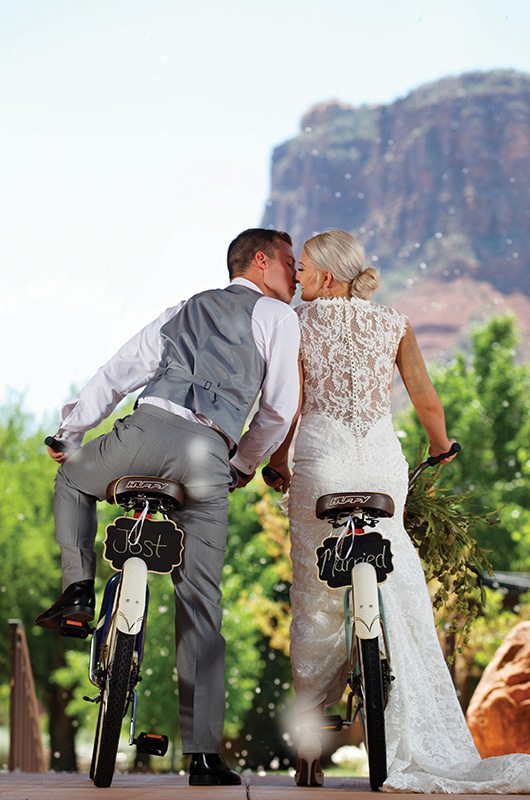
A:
<point x="109" y="609"/>
<point x="369" y="622"/>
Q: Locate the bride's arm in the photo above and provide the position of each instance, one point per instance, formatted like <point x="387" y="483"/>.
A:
<point x="279" y="460"/>
<point x="422" y="393"/>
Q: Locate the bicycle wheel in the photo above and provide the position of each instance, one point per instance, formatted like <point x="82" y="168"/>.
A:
<point x="112" y="709"/>
<point x="96" y="745"/>
<point x="373" y="710"/>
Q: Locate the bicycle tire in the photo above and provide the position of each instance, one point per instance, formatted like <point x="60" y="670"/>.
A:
<point x="113" y="704"/>
<point x="374" y="711"/>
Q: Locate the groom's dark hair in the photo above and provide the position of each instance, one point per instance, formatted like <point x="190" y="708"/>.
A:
<point x="245" y="246"/>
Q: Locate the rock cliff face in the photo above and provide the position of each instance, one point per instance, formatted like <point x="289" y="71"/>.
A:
<point x="499" y="712"/>
<point x="436" y="186"/>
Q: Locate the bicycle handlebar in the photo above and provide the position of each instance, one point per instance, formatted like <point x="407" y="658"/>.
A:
<point x="233" y="478"/>
<point x="270" y="474"/>
<point x="432" y="461"/>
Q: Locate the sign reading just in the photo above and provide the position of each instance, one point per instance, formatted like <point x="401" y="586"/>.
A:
<point x="159" y="543"/>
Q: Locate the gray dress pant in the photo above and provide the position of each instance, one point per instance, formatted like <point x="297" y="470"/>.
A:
<point x="153" y="441"/>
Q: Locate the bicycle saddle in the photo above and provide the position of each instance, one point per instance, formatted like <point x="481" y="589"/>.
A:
<point x="374" y="504"/>
<point x="146" y="487"/>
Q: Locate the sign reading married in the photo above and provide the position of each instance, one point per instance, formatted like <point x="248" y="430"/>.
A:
<point x="337" y="556"/>
<point x="157" y="542"/>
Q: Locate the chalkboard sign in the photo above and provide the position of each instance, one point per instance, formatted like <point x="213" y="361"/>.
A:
<point x="337" y="556"/>
<point x="159" y="543"/>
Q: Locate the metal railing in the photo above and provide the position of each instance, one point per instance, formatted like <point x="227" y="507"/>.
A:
<point x="25" y="744"/>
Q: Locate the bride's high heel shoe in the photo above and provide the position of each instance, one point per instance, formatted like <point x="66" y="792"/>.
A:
<point x="308" y="769"/>
<point x="308" y="773"/>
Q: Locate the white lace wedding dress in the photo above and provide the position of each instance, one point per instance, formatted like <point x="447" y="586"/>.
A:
<point x="346" y="442"/>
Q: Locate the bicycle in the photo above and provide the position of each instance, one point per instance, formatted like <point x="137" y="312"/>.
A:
<point x="360" y="561"/>
<point x="134" y="546"/>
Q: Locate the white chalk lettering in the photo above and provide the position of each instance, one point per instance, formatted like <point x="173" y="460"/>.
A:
<point x="337" y="565"/>
<point x="145" y="547"/>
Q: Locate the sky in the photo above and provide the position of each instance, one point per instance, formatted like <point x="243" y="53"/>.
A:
<point x="136" y="140"/>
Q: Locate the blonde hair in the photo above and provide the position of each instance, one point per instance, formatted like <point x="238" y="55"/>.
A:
<point x="337" y="251"/>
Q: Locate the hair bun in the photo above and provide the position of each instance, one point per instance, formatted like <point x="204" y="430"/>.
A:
<point x="365" y="283"/>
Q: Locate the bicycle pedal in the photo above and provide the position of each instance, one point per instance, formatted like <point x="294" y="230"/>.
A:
<point x="153" y="743"/>
<point x="96" y="699"/>
<point x="332" y="722"/>
<point x="75" y="629"/>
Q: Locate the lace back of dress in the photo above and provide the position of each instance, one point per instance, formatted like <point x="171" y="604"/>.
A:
<point x="349" y="350"/>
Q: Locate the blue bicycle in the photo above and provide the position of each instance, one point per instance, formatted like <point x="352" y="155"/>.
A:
<point x="135" y="544"/>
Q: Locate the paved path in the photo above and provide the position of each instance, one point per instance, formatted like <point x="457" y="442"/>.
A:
<point x="71" y="786"/>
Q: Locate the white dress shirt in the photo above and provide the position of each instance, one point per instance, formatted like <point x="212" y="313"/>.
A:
<point x="277" y="338"/>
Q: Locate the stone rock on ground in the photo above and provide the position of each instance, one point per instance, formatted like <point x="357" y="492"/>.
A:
<point x="499" y="712"/>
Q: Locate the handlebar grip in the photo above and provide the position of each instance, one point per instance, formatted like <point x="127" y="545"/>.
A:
<point x="433" y="460"/>
<point x="270" y="474"/>
<point x="56" y="445"/>
<point x="233" y="478"/>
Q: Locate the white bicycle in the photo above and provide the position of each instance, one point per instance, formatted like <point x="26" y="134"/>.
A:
<point x="359" y="560"/>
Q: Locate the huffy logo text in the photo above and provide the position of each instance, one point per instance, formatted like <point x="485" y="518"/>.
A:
<point x="353" y="498"/>
<point x="146" y="485"/>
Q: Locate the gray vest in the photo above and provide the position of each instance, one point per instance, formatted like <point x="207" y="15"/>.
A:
<point x="210" y="363"/>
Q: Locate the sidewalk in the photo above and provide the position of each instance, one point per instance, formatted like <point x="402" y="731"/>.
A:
<point x="72" y="786"/>
<point x="77" y="786"/>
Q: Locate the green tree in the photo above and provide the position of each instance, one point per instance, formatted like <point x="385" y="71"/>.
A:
<point x="488" y="632"/>
<point x="31" y="578"/>
<point x="487" y="404"/>
<point x="260" y="571"/>
<point x="31" y="569"/>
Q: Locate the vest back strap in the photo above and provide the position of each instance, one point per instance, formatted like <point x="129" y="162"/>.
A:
<point x="202" y="382"/>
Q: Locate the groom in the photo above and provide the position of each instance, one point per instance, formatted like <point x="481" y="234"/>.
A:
<point x="203" y="364"/>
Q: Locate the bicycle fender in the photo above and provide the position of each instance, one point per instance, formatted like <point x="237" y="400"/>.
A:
<point x="131" y="604"/>
<point x="366" y="601"/>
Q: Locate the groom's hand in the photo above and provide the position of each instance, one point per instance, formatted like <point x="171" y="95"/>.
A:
<point x="242" y="478"/>
<point x="57" y="449"/>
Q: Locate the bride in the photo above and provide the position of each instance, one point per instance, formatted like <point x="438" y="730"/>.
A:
<point x="346" y="442"/>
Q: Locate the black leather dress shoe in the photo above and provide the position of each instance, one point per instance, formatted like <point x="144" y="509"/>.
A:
<point x="76" y="602"/>
<point x="209" y="769"/>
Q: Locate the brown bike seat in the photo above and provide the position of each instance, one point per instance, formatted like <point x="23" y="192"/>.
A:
<point x="375" y="504"/>
<point x="122" y="489"/>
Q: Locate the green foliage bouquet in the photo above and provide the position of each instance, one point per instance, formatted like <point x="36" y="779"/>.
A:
<point x="439" y="525"/>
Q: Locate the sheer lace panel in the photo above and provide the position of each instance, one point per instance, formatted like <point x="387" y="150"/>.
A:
<point x="349" y="349"/>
